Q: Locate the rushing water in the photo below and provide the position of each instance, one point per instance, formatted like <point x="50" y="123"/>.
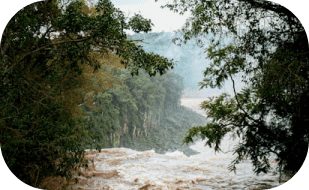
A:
<point x="123" y="168"/>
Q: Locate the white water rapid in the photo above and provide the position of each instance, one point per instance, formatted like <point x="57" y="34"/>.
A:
<point x="123" y="168"/>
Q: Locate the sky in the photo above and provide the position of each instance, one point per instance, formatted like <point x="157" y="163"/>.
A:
<point x="168" y="21"/>
<point x="163" y="19"/>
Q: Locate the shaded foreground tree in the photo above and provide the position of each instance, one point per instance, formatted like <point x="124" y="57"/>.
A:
<point x="269" y="50"/>
<point x="45" y="50"/>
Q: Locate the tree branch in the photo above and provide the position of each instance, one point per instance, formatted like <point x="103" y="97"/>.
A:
<point x="239" y="105"/>
<point x="46" y="46"/>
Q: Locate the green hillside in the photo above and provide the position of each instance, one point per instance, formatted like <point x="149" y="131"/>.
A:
<point x="141" y="113"/>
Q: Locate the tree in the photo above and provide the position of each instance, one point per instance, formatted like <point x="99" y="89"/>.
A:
<point x="269" y="49"/>
<point x="46" y="49"/>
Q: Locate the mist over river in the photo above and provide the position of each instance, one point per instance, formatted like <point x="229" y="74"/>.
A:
<point x="124" y="168"/>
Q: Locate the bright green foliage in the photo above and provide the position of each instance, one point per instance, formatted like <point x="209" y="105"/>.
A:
<point x="44" y="49"/>
<point x="269" y="50"/>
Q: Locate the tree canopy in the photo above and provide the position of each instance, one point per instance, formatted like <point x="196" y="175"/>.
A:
<point x="269" y="50"/>
<point x="49" y="52"/>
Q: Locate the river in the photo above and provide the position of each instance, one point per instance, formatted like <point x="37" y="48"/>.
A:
<point x="124" y="168"/>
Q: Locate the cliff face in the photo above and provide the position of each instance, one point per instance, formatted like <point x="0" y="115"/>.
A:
<point x="164" y="133"/>
<point x="127" y="129"/>
<point x="148" y="123"/>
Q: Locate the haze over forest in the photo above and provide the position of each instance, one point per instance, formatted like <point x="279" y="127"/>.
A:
<point x="191" y="61"/>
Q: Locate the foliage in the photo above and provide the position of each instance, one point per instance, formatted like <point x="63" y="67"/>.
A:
<point x="49" y="52"/>
<point x="139" y="24"/>
<point x="270" y="52"/>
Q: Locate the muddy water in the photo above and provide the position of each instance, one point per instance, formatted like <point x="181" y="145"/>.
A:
<point x="123" y="168"/>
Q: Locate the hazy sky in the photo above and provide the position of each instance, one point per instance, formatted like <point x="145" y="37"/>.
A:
<point x="163" y="19"/>
<point x="166" y="20"/>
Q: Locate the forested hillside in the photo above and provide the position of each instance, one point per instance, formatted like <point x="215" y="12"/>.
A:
<point x="139" y="112"/>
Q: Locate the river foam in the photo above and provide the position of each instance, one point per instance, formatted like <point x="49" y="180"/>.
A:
<point x="124" y="168"/>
